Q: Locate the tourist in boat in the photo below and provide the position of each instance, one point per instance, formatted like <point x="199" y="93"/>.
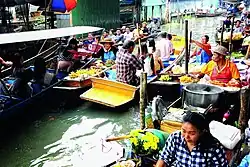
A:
<point x="108" y="51"/>
<point x="87" y="44"/>
<point x="164" y="48"/>
<point x="193" y="145"/>
<point x="221" y="69"/>
<point x="105" y="35"/>
<point x="158" y="64"/>
<point x="65" y="59"/>
<point x="128" y="35"/>
<point x="17" y="66"/>
<point x="203" y="50"/>
<point x="153" y="26"/>
<point x="111" y="34"/>
<point x="145" y="29"/>
<point x="228" y="23"/>
<point x="169" y="37"/>
<point x="4" y="63"/>
<point x="127" y="64"/>
<point x="41" y="77"/>
<point x="147" y="59"/>
<point x="123" y="29"/>
<point x="119" y="36"/>
<point x="238" y="28"/>
<point x="21" y="87"/>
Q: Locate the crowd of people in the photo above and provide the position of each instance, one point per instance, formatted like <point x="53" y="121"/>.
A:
<point x="240" y="26"/>
<point x="27" y="82"/>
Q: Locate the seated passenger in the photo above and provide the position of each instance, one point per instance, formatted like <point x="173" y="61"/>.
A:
<point x="65" y="59"/>
<point x="40" y="73"/>
<point x="17" y="66"/>
<point x="21" y="87"/>
<point x="108" y="51"/>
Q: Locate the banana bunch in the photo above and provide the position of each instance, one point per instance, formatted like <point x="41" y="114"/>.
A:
<point x="84" y="72"/>
<point x="109" y="63"/>
<point x="186" y="79"/>
<point x="237" y="36"/>
<point x="177" y="70"/>
<point x="165" y="78"/>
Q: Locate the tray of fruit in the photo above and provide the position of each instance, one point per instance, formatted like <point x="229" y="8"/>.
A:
<point x="83" y="73"/>
<point x="128" y="163"/>
<point x="188" y="79"/>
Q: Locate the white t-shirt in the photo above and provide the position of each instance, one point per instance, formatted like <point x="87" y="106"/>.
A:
<point x="128" y="36"/>
<point x="164" y="48"/>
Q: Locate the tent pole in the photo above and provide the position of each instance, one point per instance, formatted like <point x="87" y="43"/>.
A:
<point x="45" y="2"/>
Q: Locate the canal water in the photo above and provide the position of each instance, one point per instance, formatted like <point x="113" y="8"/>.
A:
<point x="59" y="137"/>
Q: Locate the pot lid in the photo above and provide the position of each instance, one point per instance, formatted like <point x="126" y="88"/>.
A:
<point x="203" y="89"/>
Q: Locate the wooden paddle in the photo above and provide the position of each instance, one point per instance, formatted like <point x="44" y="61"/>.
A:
<point x="118" y="138"/>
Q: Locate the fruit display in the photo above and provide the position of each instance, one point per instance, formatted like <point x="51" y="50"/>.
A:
<point x="84" y="73"/>
<point x="227" y="35"/>
<point x="165" y="78"/>
<point x="185" y="79"/>
<point x="109" y="63"/>
<point x="177" y="70"/>
<point x="192" y="68"/>
<point x="128" y="163"/>
<point x="246" y="41"/>
<point x="237" y="55"/>
<point x="99" y="64"/>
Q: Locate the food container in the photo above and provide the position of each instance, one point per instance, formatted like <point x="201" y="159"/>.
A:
<point x="202" y="95"/>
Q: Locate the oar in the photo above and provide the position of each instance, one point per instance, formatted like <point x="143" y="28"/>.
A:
<point x="118" y="138"/>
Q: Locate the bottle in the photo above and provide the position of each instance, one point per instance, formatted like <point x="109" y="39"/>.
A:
<point x="148" y="117"/>
<point x="128" y="151"/>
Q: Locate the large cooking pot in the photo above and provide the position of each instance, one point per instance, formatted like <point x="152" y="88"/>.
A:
<point x="201" y="95"/>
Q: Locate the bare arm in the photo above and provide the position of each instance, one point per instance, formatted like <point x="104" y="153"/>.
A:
<point x="160" y="163"/>
<point x="5" y="63"/>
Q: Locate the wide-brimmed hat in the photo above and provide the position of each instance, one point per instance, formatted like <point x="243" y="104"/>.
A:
<point x="221" y="50"/>
<point x="107" y="40"/>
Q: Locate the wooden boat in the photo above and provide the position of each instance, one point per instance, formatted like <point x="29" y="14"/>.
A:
<point x="115" y="94"/>
<point x="12" y="106"/>
<point x="207" y="14"/>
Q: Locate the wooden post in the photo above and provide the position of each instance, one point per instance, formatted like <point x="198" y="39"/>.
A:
<point x="244" y="103"/>
<point x="186" y="47"/>
<point x="143" y="90"/>
<point x="222" y="33"/>
<point x="231" y="36"/>
<point x="248" y="52"/>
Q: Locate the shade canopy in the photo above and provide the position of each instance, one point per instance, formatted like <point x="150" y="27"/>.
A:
<point x="56" y="5"/>
<point x="45" y="34"/>
<point x="63" y="5"/>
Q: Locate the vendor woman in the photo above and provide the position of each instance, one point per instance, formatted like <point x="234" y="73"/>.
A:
<point x="220" y="68"/>
<point x="202" y="52"/>
<point x="108" y="51"/>
<point x="193" y="146"/>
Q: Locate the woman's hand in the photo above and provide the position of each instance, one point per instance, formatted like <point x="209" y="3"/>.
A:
<point x="8" y="63"/>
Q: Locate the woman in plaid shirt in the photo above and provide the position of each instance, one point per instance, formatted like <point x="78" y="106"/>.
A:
<point x="193" y="146"/>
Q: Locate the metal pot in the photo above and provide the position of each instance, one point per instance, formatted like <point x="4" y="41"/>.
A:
<point x="201" y="95"/>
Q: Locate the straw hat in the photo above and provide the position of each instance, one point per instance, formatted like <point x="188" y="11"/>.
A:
<point x="221" y="50"/>
<point x="107" y="40"/>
